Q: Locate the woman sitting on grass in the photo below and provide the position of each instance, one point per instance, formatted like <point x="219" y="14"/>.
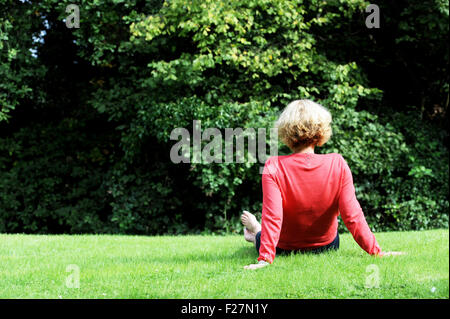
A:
<point x="303" y="193"/>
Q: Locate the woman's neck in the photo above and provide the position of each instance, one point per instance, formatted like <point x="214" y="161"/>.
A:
<point x="308" y="149"/>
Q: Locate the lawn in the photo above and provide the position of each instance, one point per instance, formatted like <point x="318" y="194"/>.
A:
<point x="111" y="266"/>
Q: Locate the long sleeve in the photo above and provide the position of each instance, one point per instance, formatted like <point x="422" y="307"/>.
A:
<point x="272" y="215"/>
<point x="352" y="214"/>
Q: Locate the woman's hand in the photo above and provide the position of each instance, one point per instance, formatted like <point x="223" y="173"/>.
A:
<point x="260" y="264"/>
<point x="391" y="253"/>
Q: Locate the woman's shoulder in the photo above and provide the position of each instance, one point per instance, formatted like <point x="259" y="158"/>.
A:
<point x="337" y="158"/>
<point x="332" y="156"/>
<point x="274" y="163"/>
<point x="336" y="155"/>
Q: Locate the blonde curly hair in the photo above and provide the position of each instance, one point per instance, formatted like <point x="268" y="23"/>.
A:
<point x="303" y="123"/>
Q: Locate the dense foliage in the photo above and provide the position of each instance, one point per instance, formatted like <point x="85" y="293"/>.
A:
<point x="86" y="114"/>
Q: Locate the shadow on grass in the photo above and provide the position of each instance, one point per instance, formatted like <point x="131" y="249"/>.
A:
<point x="243" y="253"/>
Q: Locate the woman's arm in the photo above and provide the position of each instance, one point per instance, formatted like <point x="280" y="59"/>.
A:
<point x="352" y="214"/>
<point x="272" y="215"/>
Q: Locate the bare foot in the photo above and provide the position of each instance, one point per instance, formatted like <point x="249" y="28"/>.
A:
<point x="249" y="236"/>
<point x="250" y="222"/>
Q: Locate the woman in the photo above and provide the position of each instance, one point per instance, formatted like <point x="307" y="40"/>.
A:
<point x="303" y="193"/>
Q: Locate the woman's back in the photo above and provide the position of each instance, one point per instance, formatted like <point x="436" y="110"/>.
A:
<point x="303" y="195"/>
<point x="309" y="186"/>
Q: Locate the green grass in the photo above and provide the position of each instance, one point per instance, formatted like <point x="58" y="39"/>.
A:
<point x="33" y="266"/>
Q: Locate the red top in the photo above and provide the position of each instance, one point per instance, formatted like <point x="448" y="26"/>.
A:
<point x="303" y="194"/>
